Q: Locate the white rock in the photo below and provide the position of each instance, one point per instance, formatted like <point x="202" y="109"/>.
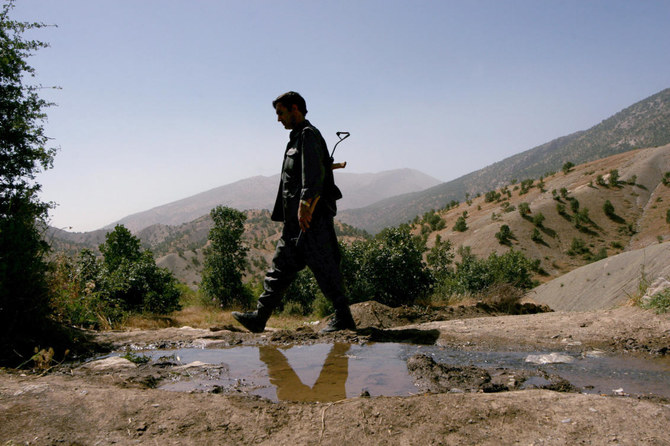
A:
<point x="551" y="358"/>
<point x="111" y="363"/>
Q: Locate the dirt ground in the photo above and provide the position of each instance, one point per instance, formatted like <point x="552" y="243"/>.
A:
<point x="117" y="402"/>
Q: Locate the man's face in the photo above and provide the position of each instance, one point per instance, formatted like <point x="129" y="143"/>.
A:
<point x="288" y="117"/>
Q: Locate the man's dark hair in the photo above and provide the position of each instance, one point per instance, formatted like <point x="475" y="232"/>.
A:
<point x="290" y="98"/>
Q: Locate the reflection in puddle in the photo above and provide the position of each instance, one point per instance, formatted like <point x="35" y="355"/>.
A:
<point x="329" y="385"/>
<point x="332" y="372"/>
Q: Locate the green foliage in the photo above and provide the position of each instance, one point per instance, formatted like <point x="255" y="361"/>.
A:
<point x="434" y="220"/>
<point x="440" y="259"/>
<point x="129" y="278"/>
<point x="524" y="209"/>
<point x="504" y="235"/>
<point x="574" y="204"/>
<point x="608" y="209"/>
<point x="579" y="247"/>
<point x="226" y="259"/>
<point x="301" y="294"/>
<point x="389" y="268"/>
<point x="491" y="196"/>
<point x="474" y="275"/>
<point x="666" y="179"/>
<point x="526" y="185"/>
<point x="614" y="178"/>
<point x="567" y="167"/>
<point x="536" y="236"/>
<point x="97" y="293"/>
<point x="538" y="219"/>
<point x="659" y="302"/>
<point x="24" y="300"/>
<point x="600" y="181"/>
<point x="507" y="207"/>
<point x="460" y="225"/>
<point x="582" y="218"/>
<point x="667" y="216"/>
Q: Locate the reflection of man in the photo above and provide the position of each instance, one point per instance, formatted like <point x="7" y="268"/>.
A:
<point x="329" y="386"/>
<point x="306" y="205"/>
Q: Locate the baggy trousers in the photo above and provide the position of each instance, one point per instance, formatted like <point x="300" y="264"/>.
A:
<point x="316" y="248"/>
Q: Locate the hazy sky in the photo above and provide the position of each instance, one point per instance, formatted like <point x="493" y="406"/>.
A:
<point x="164" y="99"/>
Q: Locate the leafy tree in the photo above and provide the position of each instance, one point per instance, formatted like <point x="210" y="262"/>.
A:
<point x="226" y="259"/>
<point x="504" y="235"/>
<point x="538" y="219"/>
<point x="440" y="259"/>
<point x="567" y="167"/>
<point x="24" y="300"/>
<point x="129" y="279"/>
<point x="536" y="236"/>
<point x="524" y="209"/>
<point x="614" y="178"/>
<point x="460" y="225"/>
<point x="491" y="196"/>
<point x="120" y="246"/>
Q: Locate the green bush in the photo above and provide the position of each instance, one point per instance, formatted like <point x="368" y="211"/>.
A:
<point x="389" y="268"/>
<point x="460" y="225"/>
<point x="475" y="275"/>
<point x="504" y="235"/>
<point x="301" y="294"/>
<point x="659" y="302"/>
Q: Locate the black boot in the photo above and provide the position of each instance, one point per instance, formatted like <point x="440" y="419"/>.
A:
<point x="341" y="320"/>
<point x="252" y="320"/>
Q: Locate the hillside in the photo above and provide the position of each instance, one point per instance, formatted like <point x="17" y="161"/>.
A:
<point x="358" y="190"/>
<point x="644" y="124"/>
<point x="566" y="226"/>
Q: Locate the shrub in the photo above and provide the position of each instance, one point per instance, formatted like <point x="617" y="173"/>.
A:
<point x="389" y="268"/>
<point x="659" y="302"/>
<point x="504" y="235"/>
<point x="460" y="225"/>
<point x="491" y="196"/>
<point x="578" y="247"/>
<point x="614" y="178"/>
<point x="524" y="209"/>
<point x="567" y="167"/>
<point x="474" y="275"/>
<point x="536" y="236"/>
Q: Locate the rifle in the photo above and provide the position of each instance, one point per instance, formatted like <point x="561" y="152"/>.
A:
<point x="342" y="136"/>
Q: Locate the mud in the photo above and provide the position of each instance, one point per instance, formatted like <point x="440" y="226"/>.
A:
<point x="121" y="403"/>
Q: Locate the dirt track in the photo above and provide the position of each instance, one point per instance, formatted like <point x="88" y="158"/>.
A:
<point x="114" y="407"/>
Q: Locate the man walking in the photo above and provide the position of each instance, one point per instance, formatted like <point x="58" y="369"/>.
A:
<point x="306" y="205"/>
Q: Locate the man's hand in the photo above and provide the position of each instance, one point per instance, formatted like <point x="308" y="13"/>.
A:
<point x="305" y="214"/>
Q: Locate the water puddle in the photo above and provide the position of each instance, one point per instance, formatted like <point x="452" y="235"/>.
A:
<point x="332" y="372"/>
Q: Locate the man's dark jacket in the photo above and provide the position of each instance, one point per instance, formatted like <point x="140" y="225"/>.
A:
<point x="307" y="173"/>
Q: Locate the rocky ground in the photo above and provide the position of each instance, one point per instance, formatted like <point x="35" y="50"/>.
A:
<point x="117" y="402"/>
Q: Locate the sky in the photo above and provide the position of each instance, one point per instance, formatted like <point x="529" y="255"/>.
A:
<point x="159" y="100"/>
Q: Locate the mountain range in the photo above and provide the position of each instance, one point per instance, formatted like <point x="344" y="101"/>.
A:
<point x="643" y="124"/>
<point x="259" y="192"/>
<point x="371" y="200"/>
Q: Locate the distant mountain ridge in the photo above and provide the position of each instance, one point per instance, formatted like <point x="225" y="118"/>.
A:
<point x="259" y="192"/>
<point x="643" y="124"/>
